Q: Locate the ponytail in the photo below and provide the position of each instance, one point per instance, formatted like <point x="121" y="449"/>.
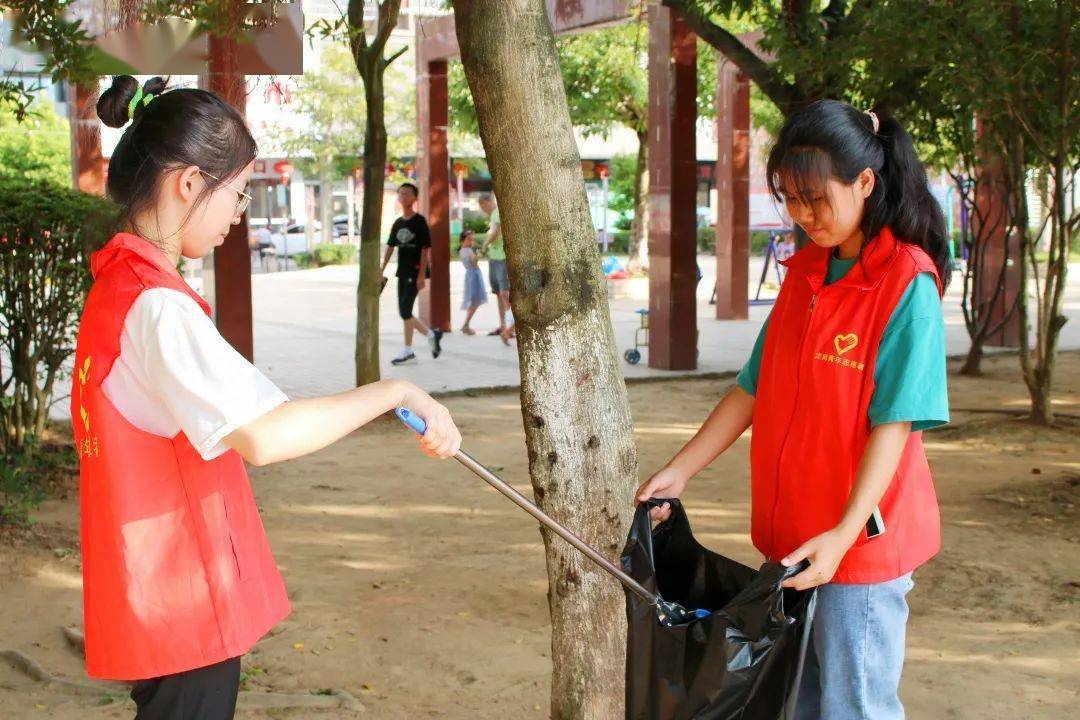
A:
<point x="904" y="202"/>
<point x="829" y="138"/>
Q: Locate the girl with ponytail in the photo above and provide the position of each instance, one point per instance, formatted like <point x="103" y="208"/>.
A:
<point x="847" y="372"/>
<point x="178" y="578"/>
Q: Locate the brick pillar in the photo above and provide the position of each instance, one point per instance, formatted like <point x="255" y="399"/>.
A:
<point x="88" y="167"/>
<point x="733" y="193"/>
<point x="672" y="191"/>
<point x="433" y="117"/>
<point x="993" y="209"/>
<point x="227" y="272"/>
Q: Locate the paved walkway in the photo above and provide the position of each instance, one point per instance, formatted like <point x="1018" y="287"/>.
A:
<point x="305" y="329"/>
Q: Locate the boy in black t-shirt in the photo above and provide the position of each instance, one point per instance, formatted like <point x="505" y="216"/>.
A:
<point x="410" y="235"/>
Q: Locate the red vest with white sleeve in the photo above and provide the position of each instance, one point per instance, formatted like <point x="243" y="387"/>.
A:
<point x="177" y="571"/>
<point x="811" y="414"/>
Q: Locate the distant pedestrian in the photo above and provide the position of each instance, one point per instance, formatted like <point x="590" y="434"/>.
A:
<point x="411" y="236"/>
<point x="496" y="254"/>
<point x="475" y="293"/>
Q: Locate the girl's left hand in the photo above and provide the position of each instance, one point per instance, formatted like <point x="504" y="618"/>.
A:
<point x="825" y="553"/>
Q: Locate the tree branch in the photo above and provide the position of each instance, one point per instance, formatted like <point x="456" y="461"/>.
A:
<point x="388" y="17"/>
<point x="396" y="55"/>
<point x="784" y="94"/>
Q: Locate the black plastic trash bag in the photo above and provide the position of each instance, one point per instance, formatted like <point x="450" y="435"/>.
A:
<point x="743" y="661"/>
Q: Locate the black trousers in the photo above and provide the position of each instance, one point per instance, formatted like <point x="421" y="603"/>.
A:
<point x="207" y="693"/>
<point x="406" y="294"/>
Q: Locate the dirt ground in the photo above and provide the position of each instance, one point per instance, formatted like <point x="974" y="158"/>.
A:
<point x="422" y="592"/>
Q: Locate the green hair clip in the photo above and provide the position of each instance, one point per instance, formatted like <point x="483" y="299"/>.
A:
<point x="135" y="101"/>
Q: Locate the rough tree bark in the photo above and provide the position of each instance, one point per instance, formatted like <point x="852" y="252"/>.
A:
<point x="371" y="64"/>
<point x="578" y="429"/>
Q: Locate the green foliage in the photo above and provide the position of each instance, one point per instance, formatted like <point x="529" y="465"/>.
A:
<point x="38" y="148"/>
<point x="706" y="239"/>
<point x="64" y="43"/>
<point x="47" y="232"/>
<point x="619" y="243"/>
<point x="606" y="79"/>
<point x="605" y="73"/>
<point x="68" y="51"/>
<point x="476" y="221"/>
<point x="764" y="113"/>
<point x="331" y="146"/>
<point x="325" y="254"/>
<point x="331" y="101"/>
<point x="331" y="254"/>
<point x="20" y="491"/>
<point x="24" y="475"/>
<point x="621" y="184"/>
<point x="459" y="98"/>
<point x="759" y="240"/>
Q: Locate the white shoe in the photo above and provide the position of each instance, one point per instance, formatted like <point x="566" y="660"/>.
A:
<point x="403" y="357"/>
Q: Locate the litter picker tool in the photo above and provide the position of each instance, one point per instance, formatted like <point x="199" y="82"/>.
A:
<point x="669" y="613"/>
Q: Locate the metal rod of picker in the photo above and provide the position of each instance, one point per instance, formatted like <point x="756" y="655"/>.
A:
<point x="417" y="424"/>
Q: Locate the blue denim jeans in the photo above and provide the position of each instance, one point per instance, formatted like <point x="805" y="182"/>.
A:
<point x="856" y="653"/>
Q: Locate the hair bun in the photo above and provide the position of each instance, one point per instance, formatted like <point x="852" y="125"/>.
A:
<point x="112" y="106"/>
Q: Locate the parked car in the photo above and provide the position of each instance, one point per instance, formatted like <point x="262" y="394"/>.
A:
<point x="294" y="240"/>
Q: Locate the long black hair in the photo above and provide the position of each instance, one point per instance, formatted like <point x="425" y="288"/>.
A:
<point x="831" y="139"/>
<point x="175" y="129"/>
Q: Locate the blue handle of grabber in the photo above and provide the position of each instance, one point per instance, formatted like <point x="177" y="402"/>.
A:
<point x="412" y="420"/>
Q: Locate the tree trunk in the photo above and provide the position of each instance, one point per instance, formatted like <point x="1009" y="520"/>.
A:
<point x="985" y="300"/>
<point x="1050" y="319"/>
<point x="639" y="229"/>
<point x="582" y="458"/>
<point x="972" y="366"/>
<point x="367" y="291"/>
<point x="326" y="204"/>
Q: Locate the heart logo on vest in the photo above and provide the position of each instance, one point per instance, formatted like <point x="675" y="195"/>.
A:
<point x="844" y="343"/>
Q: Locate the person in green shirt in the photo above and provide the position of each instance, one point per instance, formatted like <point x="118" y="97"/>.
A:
<point x="909" y="375"/>
<point x="845" y="176"/>
<point x="496" y="254"/>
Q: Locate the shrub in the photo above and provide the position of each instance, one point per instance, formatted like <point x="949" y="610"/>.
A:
<point x="706" y="239"/>
<point x="619" y="242"/>
<point x="24" y="475"/>
<point x="331" y="254"/>
<point x="47" y="233"/>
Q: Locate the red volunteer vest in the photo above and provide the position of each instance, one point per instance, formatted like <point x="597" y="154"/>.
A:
<point x="811" y="420"/>
<point x="177" y="571"/>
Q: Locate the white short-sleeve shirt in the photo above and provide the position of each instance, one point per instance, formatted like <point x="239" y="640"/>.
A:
<point x="177" y="373"/>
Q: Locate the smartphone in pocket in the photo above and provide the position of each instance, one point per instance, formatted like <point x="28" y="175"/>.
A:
<point x="875" y="525"/>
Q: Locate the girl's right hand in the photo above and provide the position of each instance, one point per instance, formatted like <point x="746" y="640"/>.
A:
<point x="442" y="439"/>
<point x="667" y="483"/>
